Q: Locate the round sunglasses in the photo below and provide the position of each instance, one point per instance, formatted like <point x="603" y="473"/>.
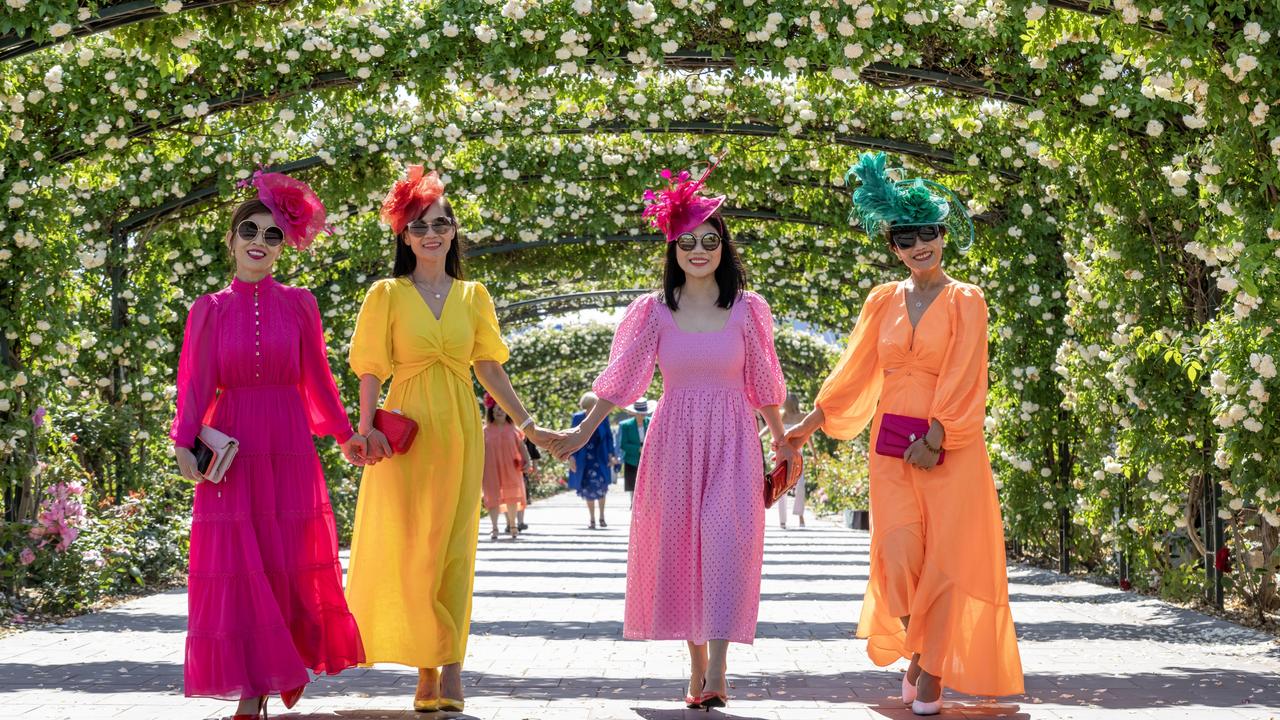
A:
<point x="439" y="226"/>
<point x="907" y="237"/>
<point x="688" y="241"/>
<point x="248" y="230"/>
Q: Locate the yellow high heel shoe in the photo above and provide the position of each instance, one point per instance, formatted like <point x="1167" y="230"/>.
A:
<point x="430" y="704"/>
<point x="450" y="705"/>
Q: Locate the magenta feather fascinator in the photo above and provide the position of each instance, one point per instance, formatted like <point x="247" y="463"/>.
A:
<point x="679" y="208"/>
<point x="294" y="206"/>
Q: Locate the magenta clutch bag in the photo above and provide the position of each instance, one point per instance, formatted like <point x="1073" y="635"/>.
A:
<point x="897" y="432"/>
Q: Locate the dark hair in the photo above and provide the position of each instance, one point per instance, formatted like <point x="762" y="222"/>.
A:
<point x="239" y="215"/>
<point x="488" y="413"/>
<point x="406" y="261"/>
<point x="730" y="276"/>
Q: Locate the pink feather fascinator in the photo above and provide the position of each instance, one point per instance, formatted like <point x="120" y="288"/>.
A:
<point x="679" y="207"/>
<point x="294" y="206"/>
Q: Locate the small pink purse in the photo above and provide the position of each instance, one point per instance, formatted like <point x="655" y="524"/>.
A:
<point x="897" y="432"/>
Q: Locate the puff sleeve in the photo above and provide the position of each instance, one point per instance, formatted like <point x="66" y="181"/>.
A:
<point x="633" y="355"/>
<point x="197" y="382"/>
<point x="370" y="352"/>
<point x="849" y="395"/>
<point x="764" y="382"/>
<point x="488" y="344"/>
<point x="960" y="401"/>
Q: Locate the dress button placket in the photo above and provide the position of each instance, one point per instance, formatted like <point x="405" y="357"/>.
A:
<point x="257" y="336"/>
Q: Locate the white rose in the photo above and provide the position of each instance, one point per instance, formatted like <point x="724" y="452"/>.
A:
<point x="1089" y="99"/>
<point x="173" y="6"/>
<point x="582" y="7"/>
<point x="864" y="16"/>
<point x="1154" y="128"/>
<point x="1246" y="62"/>
<point x="59" y="29"/>
<point x="1034" y="12"/>
<point x="1179" y="178"/>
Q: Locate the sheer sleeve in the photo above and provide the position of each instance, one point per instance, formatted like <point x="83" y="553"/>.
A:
<point x="960" y="401"/>
<point x="850" y="393"/>
<point x="370" y="352"/>
<point x="488" y="344"/>
<point x="633" y="355"/>
<point x="325" y="413"/>
<point x="764" y="381"/>
<point x="197" y="373"/>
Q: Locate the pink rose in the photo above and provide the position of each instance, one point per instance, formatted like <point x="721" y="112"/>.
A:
<point x="26" y="557"/>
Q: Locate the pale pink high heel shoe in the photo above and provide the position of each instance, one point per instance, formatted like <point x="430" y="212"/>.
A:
<point x="908" y="691"/>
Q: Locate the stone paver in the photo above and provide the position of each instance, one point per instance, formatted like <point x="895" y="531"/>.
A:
<point x="546" y="643"/>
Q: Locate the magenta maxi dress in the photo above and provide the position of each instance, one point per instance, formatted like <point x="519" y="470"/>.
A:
<point x="265" y="598"/>
<point x="697" y="524"/>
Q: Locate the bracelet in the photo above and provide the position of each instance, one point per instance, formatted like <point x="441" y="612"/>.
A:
<point x="935" y="450"/>
<point x="526" y="423"/>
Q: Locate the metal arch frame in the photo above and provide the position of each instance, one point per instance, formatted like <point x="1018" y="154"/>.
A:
<point x="529" y="311"/>
<point x="210" y="190"/>
<point x="13" y="46"/>
<point x="134" y="11"/>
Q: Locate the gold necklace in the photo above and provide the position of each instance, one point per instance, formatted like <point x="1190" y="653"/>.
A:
<point x="428" y="288"/>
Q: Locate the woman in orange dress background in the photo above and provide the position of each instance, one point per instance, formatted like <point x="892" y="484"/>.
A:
<point x="937" y="591"/>
<point x="505" y="459"/>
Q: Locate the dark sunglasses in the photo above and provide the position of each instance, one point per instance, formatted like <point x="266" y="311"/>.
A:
<point x="687" y="241"/>
<point x="271" y="235"/>
<point x="906" y="238"/>
<point x="439" y="226"/>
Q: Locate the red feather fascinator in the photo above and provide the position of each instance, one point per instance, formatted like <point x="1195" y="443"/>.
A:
<point x="678" y="208"/>
<point x="294" y="206"/>
<point x="411" y="197"/>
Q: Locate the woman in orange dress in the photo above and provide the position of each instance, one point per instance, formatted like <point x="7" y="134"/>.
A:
<point x="505" y="459"/>
<point x="937" y="591"/>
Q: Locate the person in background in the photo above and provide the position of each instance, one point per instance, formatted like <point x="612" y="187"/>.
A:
<point x="590" y="469"/>
<point x="631" y="435"/>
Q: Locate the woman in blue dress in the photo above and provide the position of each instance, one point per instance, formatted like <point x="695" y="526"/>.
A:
<point x="591" y="468"/>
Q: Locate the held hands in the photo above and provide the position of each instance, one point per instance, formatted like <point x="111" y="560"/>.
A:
<point x="542" y="437"/>
<point x="377" y="448"/>
<point x="797" y="436"/>
<point x="187" y="464"/>
<point x="785" y="452"/>
<point x="567" y="443"/>
<point x="355" y="449"/>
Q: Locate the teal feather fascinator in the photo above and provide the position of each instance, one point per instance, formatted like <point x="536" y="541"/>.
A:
<point x="880" y="202"/>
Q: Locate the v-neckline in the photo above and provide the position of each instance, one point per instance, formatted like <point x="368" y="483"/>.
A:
<point x="728" y="319"/>
<point x="923" y="313"/>
<point x="447" y="296"/>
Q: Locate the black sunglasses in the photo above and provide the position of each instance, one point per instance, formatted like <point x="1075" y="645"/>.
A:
<point x="439" y="226"/>
<point x="271" y="235"/>
<point x="687" y="241"/>
<point x="906" y="238"/>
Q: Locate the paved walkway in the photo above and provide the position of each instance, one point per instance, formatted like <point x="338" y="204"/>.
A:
<point x="546" y="643"/>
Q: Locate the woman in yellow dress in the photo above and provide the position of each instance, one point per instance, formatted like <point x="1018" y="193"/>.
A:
<point x="414" y="550"/>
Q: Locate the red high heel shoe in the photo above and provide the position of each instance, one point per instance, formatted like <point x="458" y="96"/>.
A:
<point x="713" y="700"/>
<point x="291" y="697"/>
<point x="694" y="703"/>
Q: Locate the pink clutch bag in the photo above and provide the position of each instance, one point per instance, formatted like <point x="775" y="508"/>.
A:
<point x="897" y="432"/>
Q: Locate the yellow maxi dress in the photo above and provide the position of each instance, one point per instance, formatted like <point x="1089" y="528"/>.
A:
<point x="414" y="549"/>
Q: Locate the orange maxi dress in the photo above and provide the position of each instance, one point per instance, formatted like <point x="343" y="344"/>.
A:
<point x="503" y="481"/>
<point x="937" y="539"/>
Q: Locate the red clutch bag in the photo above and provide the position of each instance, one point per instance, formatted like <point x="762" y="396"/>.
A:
<point x="399" y="429"/>
<point x="779" y="482"/>
<point x="897" y="432"/>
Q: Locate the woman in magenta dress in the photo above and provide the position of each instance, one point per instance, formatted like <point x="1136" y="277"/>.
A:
<point x="697" y="526"/>
<point x="265" y="598"/>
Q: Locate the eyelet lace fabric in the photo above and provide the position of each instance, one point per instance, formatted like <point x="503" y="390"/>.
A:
<point x="697" y="529"/>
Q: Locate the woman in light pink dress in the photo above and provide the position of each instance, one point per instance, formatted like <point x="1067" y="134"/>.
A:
<point x="697" y="525"/>
<point x="265" y="600"/>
